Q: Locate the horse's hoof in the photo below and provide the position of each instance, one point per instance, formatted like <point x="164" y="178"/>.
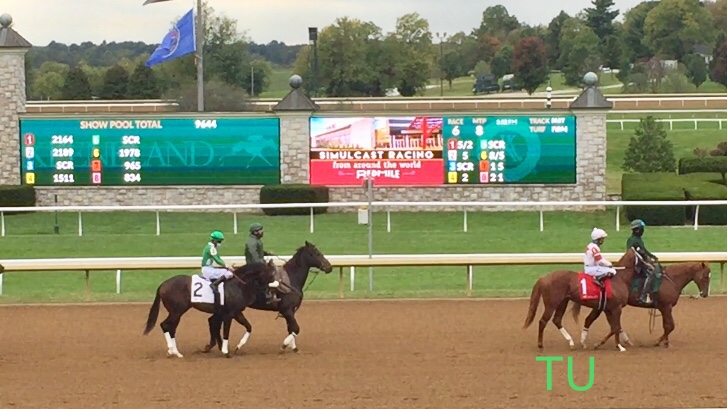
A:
<point x="281" y="350"/>
<point x="227" y="355"/>
<point x="207" y="349"/>
<point x="596" y="346"/>
<point x="295" y="350"/>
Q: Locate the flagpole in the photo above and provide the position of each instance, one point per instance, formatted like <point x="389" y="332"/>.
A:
<point x="199" y="39"/>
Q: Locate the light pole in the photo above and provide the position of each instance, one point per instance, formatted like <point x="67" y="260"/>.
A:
<point x="199" y="45"/>
<point x="313" y="38"/>
<point x="441" y="62"/>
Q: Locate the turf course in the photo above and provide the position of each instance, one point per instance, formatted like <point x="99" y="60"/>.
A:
<point x="133" y="235"/>
<point x="124" y="234"/>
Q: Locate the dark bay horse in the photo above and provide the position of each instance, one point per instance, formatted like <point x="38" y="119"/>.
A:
<point x="304" y="258"/>
<point x="674" y="278"/>
<point x="239" y="292"/>
<point x="562" y="286"/>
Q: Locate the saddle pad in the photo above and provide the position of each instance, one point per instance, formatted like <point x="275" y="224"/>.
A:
<point x="202" y="292"/>
<point x="589" y="290"/>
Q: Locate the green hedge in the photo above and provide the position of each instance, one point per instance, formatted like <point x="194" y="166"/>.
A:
<point x="17" y="196"/>
<point x="706" y="186"/>
<point x="654" y="187"/>
<point x="294" y="194"/>
<point x="709" y="164"/>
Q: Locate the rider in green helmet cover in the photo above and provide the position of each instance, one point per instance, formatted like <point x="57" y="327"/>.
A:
<point x="214" y="268"/>
<point x="635" y="241"/>
<point x="255" y="253"/>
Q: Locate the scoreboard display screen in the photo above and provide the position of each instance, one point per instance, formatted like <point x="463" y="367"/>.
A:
<point x="509" y="150"/>
<point x="149" y="151"/>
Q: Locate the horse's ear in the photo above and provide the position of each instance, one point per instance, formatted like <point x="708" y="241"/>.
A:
<point x="308" y="244"/>
<point x="704" y="264"/>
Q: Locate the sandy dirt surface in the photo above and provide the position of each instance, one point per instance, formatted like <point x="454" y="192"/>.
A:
<point x="397" y="354"/>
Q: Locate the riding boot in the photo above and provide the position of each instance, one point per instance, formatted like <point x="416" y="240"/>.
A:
<point x="645" y="290"/>
<point x="599" y="280"/>
<point x="216" y="292"/>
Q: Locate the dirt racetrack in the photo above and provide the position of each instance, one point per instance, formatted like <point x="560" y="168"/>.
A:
<point x="397" y="354"/>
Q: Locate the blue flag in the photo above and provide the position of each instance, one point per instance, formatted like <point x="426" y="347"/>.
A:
<point x="177" y="43"/>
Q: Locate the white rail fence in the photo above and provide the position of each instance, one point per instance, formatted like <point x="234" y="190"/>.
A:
<point x="672" y="121"/>
<point x="388" y="205"/>
<point x="341" y="261"/>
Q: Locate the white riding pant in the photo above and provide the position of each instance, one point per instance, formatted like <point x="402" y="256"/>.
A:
<point x="213" y="273"/>
<point x="598" y="270"/>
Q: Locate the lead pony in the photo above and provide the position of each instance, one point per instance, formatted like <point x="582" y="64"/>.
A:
<point x="305" y="257"/>
<point x="561" y="286"/>
<point x="675" y="278"/>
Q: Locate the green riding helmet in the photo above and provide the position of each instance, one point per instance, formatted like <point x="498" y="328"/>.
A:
<point x="637" y="223"/>
<point x="217" y="235"/>
<point x="255" y="227"/>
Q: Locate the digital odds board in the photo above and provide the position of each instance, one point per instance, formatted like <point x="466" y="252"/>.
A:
<point x="150" y="151"/>
<point x="451" y="150"/>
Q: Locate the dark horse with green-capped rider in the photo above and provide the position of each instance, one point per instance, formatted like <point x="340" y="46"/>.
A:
<point x="240" y="291"/>
<point x="290" y="299"/>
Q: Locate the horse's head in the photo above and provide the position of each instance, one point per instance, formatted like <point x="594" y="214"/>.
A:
<point x="311" y="256"/>
<point x="701" y="274"/>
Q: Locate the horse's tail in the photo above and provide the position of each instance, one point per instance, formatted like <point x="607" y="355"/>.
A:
<point x="534" y="298"/>
<point x="153" y="313"/>
<point x="575" y="310"/>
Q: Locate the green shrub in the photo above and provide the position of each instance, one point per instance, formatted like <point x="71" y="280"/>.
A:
<point x="708" y="164"/>
<point x="294" y="194"/>
<point x="654" y="187"/>
<point x="17" y="196"/>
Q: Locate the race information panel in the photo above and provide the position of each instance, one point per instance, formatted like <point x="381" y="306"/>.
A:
<point x="510" y="150"/>
<point x="435" y="151"/>
<point x="150" y="151"/>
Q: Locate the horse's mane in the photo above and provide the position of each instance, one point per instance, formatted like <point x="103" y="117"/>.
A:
<point x="250" y="269"/>
<point x="294" y="261"/>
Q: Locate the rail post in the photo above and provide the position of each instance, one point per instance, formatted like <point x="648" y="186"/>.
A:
<point x="352" y="277"/>
<point x="312" y="221"/>
<point x="541" y="220"/>
<point x="2" y="223"/>
<point x="80" y="224"/>
<point x="469" y="280"/>
<point x="159" y="226"/>
<point x="118" y="281"/>
<point x="388" y="221"/>
<point x="340" y="282"/>
<point x="696" y="218"/>
<point x="465" y="221"/>
<point x="234" y="222"/>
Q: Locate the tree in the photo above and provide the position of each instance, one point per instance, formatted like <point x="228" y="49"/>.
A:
<point x="674" y="27"/>
<point x="143" y="83"/>
<point x="718" y="10"/>
<point x="502" y="63"/>
<point x="696" y="69"/>
<point x="649" y="149"/>
<point x="600" y="19"/>
<point x="552" y="39"/>
<point x="719" y="66"/>
<point x="633" y="27"/>
<point x="530" y="63"/>
<point x="116" y="83"/>
<point x="414" y="42"/>
<point x="579" y="51"/>
<point x="497" y="22"/>
<point x="257" y="77"/>
<point x="452" y="66"/>
<point x="76" y="85"/>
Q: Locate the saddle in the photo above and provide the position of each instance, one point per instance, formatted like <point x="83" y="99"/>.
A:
<point x="281" y="275"/>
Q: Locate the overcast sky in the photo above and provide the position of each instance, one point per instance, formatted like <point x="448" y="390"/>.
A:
<point x="75" y="21"/>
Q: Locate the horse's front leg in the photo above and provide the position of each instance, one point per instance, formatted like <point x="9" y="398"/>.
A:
<point x="667" y="320"/>
<point x="242" y="320"/>
<point x="590" y="319"/>
<point x="293" y="331"/>
<point x="226" y="325"/>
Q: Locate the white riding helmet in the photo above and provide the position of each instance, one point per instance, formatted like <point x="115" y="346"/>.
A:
<point x="598" y="234"/>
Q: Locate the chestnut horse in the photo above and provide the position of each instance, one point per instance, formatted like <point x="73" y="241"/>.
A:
<point x="674" y="278"/>
<point x="562" y="286"/>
